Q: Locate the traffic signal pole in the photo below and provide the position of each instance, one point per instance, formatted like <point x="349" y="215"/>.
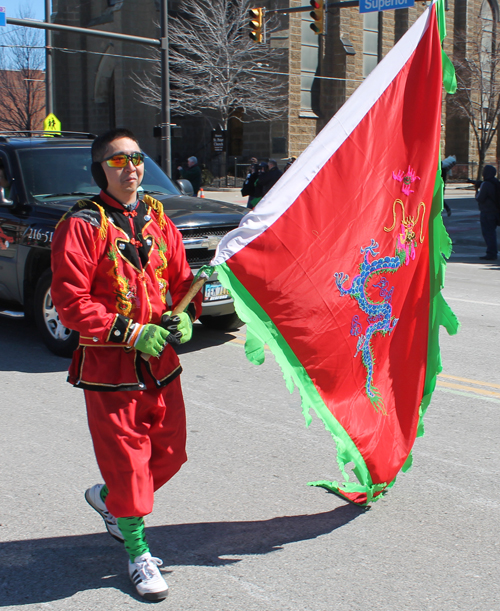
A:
<point x="319" y="15"/>
<point x="49" y="99"/>
<point x="166" y="131"/>
<point x="41" y="25"/>
<point x="303" y="9"/>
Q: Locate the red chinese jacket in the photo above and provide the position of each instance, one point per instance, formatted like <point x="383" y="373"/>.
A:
<point x="113" y="267"/>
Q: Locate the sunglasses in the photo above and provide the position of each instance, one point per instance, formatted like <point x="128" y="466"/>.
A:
<point x="120" y="160"/>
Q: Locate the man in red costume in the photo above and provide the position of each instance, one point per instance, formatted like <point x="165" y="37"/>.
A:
<point x="114" y="259"/>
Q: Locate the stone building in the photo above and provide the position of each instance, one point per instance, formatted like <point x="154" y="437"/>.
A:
<point x="94" y="89"/>
<point x="352" y="46"/>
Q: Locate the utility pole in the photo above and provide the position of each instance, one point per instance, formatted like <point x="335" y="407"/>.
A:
<point x="49" y="100"/>
<point x="166" y="160"/>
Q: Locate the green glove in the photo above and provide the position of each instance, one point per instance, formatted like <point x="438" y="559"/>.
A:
<point x="185" y="326"/>
<point x="151" y="340"/>
<point x="181" y="322"/>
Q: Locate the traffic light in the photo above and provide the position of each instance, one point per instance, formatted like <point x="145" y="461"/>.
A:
<point x="318" y="14"/>
<point x="256" y="24"/>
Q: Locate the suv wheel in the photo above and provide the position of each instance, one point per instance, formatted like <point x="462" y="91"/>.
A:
<point x="58" y="339"/>
<point x="226" y="322"/>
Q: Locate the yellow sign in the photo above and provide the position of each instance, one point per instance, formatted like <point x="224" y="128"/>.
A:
<point x="51" y="124"/>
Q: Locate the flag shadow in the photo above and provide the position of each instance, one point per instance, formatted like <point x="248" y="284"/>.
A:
<point x="44" y="570"/>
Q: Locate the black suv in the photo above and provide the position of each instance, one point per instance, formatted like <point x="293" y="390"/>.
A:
<point x="46" y="176"/>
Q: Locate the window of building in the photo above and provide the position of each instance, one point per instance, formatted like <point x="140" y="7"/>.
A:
<point x="309" y="60"/>
<point x="487" y="27"/>
<point x="370" y="42"/>
<point x="487" y="57"/>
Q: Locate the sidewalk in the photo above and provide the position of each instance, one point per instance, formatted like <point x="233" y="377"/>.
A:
<point x="233" y="196"/>
<point x="228" y="195"/>
<point x="459" y="190"/>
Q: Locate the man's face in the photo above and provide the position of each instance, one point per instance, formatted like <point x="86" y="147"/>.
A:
<point x="190" y="163"/>
<point x="123" y="182"/>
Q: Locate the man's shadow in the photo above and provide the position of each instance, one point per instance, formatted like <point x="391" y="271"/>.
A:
<point x="22" y="349"/>
<point x="44" y="570"/>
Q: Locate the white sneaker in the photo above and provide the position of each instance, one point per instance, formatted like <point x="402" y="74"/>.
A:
<point x="93" y="498"/>
<point x="146" y="577"/>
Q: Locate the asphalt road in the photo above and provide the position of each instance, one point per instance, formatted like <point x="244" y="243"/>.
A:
<point x="238" y="528"/>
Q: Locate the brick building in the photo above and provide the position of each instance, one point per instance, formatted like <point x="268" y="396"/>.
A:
<point x="22" y="99"/>
<point x="94" y="90"/>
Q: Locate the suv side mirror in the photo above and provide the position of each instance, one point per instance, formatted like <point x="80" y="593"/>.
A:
<point x="3" y="200"/>
<point x="185" y="187"/>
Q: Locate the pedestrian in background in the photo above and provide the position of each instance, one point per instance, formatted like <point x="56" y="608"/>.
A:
<point x="446" y="166"/>
<point x="289" y="162"/>
<point x="258" y="191"/>
<point x="271" y="177"/>
<point x="192" y="173"/>
<point x="248" y="187"/>
<point x="488" y="200"/>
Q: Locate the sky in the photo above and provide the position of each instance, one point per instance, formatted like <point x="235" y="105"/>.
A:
<point x="12" y="7"/>
<point x="12" y="10"/>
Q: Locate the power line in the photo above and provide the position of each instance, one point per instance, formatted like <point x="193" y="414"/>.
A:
<point x="147" y="59"/>
<point x="66" y="50"/>
<point x="308" y="74"/>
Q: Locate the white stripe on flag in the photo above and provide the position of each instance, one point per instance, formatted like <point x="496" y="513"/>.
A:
<point x="328" y="141"/>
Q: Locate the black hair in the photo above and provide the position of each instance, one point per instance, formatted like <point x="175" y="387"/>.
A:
<point x="101" y="142"/>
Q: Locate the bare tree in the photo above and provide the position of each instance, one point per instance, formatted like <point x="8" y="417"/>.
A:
<point x="22" y="94"/>
<point x="215" y="68"/>
<point x="477" y="64"/>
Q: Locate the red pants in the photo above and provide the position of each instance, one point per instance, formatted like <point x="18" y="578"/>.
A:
<point x="139" y="441"/>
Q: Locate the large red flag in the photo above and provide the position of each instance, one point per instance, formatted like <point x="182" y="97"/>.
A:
<point x="338" y="268"/>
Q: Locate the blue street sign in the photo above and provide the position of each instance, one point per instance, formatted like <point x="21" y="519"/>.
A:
<point x="370" y="6"/>
<point x="3" y="17"/>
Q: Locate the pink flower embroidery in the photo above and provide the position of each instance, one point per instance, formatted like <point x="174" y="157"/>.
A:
<point x="407" y="242"/>
<point x="406" y="178"/>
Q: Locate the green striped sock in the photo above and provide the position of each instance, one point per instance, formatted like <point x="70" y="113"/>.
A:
<point x="104" y="493"/>
<point x="133" y="531"/>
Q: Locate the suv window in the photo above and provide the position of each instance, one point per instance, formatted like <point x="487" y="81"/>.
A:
<point x="51" y="173"/>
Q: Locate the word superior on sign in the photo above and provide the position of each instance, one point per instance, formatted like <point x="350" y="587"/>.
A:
<point x="368" y="6"/>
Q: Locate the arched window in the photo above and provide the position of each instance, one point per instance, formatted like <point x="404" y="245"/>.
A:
<point x="488" y="29"/>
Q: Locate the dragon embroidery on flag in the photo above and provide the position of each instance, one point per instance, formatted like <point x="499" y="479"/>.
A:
<point x="380" y="318"/>
<point x="379" y="314"/>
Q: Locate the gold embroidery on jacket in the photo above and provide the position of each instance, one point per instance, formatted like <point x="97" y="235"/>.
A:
<point x="158" y="208"/>
<point x="125" y="293"/>
<point x="162" y="283"/>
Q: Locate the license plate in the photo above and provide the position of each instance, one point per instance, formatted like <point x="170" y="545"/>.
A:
<point x="214" y="291"/>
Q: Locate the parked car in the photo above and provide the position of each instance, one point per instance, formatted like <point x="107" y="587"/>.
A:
<point x="46" y="176"/>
